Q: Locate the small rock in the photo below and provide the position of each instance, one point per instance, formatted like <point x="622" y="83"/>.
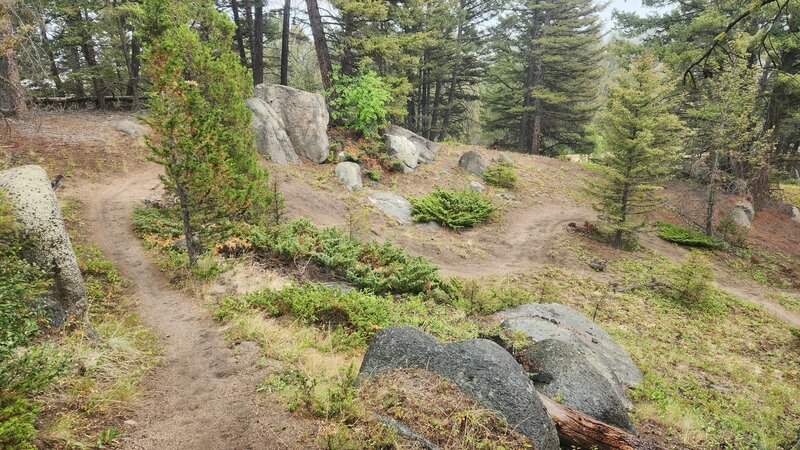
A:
<point x="179" y="245"/>
<point x="132" y="129"/>
<point x="476" y="186"/>
<point x="503" y="159"/>
<point x="508" y="196"/>
<point x="349" y="173"/>
<point x="130" y="423"/>
<point x="473" y="163"/>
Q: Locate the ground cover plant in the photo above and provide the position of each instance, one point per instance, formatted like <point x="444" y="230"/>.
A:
<point x="452" y="208"/>
<point x="686" y="236"/>
<point x="501" y="174"/>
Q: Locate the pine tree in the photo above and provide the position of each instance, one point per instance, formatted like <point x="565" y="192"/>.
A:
<point x="544" y="80"/>
<point x="641" y="134"/>
<point x="197" y="111"/>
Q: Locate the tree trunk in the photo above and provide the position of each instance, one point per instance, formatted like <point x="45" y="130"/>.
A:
<point x="10" y="84"/>
<point x="581" y="431"/>
<point x="136" y="67"/>
<point x="48" y="49"/>
<point x="285" y="44"/>
<point x="89" y="55"/>
<point x="437" y="103"/>
<point x="320" y="43"/>
<point x="258" y="43"/>
<point x="711" y="200"/>
<point x="451" y="93"/>
<point x="238" y="33"/>
<point x="191" y="247"/>
<point x="75" y="65"/>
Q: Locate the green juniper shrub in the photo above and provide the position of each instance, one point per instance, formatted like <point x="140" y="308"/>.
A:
<point x="452" y="208"/>
<point x="474" y="298"/>
<point x="374" y="175"/>
<point x="690" y="283"/>
<point x="360" y="102"/>
<point x="728" y="231"/>
<point x="686" y="236"/>
<point x="501" y="174"/>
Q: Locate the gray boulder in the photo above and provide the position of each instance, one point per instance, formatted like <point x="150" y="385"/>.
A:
<point x="392" y="205"/>
<point x="36" y="208"/>
<point x="560" y="322"/>
<point x="748" y="209"/>
<point x="132" y="129"/>
<point x="426" y="149"/>
<point x="304" y="115"/>
<point x="473" y="163"/>
<point x="271" y="138"/>
<point x="740" y="217"/>
<point x="349" y="173"/>
<point x="482" y="369"/>
<point x="792" y="212"/>
<point x="569" y="375"/>
<point x="404" y="150"/>
<point x="502" y="158"/>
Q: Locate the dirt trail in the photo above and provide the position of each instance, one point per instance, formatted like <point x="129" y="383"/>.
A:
<point x="203" y="394"/>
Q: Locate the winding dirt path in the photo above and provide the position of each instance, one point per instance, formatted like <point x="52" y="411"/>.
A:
<point x="203" y="395"/>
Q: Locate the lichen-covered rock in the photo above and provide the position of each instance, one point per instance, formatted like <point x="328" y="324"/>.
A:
<point x="349" y="173"/>
<point x="304" y="115"/>
<point x="555" y="321"/>
<point x="577" y="381"/>
<point x="36" y="208"/>
<point x="482" y="369"/>
<point x="473" y="163"/>
<point x="271" y="138"/>
<point x="392" y="205"/>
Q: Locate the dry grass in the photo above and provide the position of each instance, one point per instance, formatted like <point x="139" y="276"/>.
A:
<point x="436" y="408"/>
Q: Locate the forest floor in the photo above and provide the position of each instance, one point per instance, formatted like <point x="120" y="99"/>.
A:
<point x="203" y="393"/>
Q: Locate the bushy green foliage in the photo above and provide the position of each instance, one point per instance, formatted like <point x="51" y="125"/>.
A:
<point x="360" y="102"/>
<point x="475" y="298"/>
<point x="452" y="208"/>
<point x="690" y="283"/>
<point x="686" y="236"/>
<point x="501" y="174"/>
<point x="377" y="267"/>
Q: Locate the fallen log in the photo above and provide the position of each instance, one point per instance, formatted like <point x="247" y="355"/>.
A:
<point x="581" y="431"/>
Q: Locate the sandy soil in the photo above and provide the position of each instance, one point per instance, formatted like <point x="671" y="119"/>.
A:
<point x="203" y="395"/>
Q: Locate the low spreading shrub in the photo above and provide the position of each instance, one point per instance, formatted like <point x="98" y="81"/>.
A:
<point x="501" y="174"/>
<point x="686" y="236"/>
<point x="452" y="208"/>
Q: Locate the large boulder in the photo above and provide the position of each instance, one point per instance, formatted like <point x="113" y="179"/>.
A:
<point x="36" y="208"/>
<point x="403" y="150"/>
<point x="560" y="322"/>
<point x="482" y="369"/>
<point x="349" y="173"/>
<point x="748" y="209"/>
<point x="271" y="138"/>
<point x="392" y="205"/>
<point x="740" y="217"/>
<point x="426" y="149"/>
<point x="304" y="115"/>
<point x="792" y="212"/>
<point x="473" y="163"/>
<point x="567" y="374"/>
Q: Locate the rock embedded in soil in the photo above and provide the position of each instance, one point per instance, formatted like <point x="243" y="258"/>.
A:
<point x="271" y="138"/>
<point x="577" y="381"/>
<point x="403" y="150"/>
<point x="36" y="208"/>
<point x="473" y="163"/>
<point x="304" y="115"/>
<point x="392" y="205"/>
<point x="132" y="129"/>
<point x="560" y="322"/>
<point x="475" y="186"/>
<point x="349" y="173"/>
<point x="483" y="370"/>
<point x="740" y="217"/>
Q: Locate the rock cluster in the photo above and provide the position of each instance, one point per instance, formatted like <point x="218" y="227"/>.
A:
<point x="289" y="124"/>
<point x="36" y="208"/>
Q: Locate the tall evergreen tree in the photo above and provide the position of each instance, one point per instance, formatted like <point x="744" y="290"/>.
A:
<point x="543" y="83"/>
<point x="641" y="135"/>
<point x="196" y="109"/>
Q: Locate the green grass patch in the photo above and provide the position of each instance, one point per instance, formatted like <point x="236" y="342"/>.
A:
<point x="452" y="208"/>
<point x="686" y="236"/>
